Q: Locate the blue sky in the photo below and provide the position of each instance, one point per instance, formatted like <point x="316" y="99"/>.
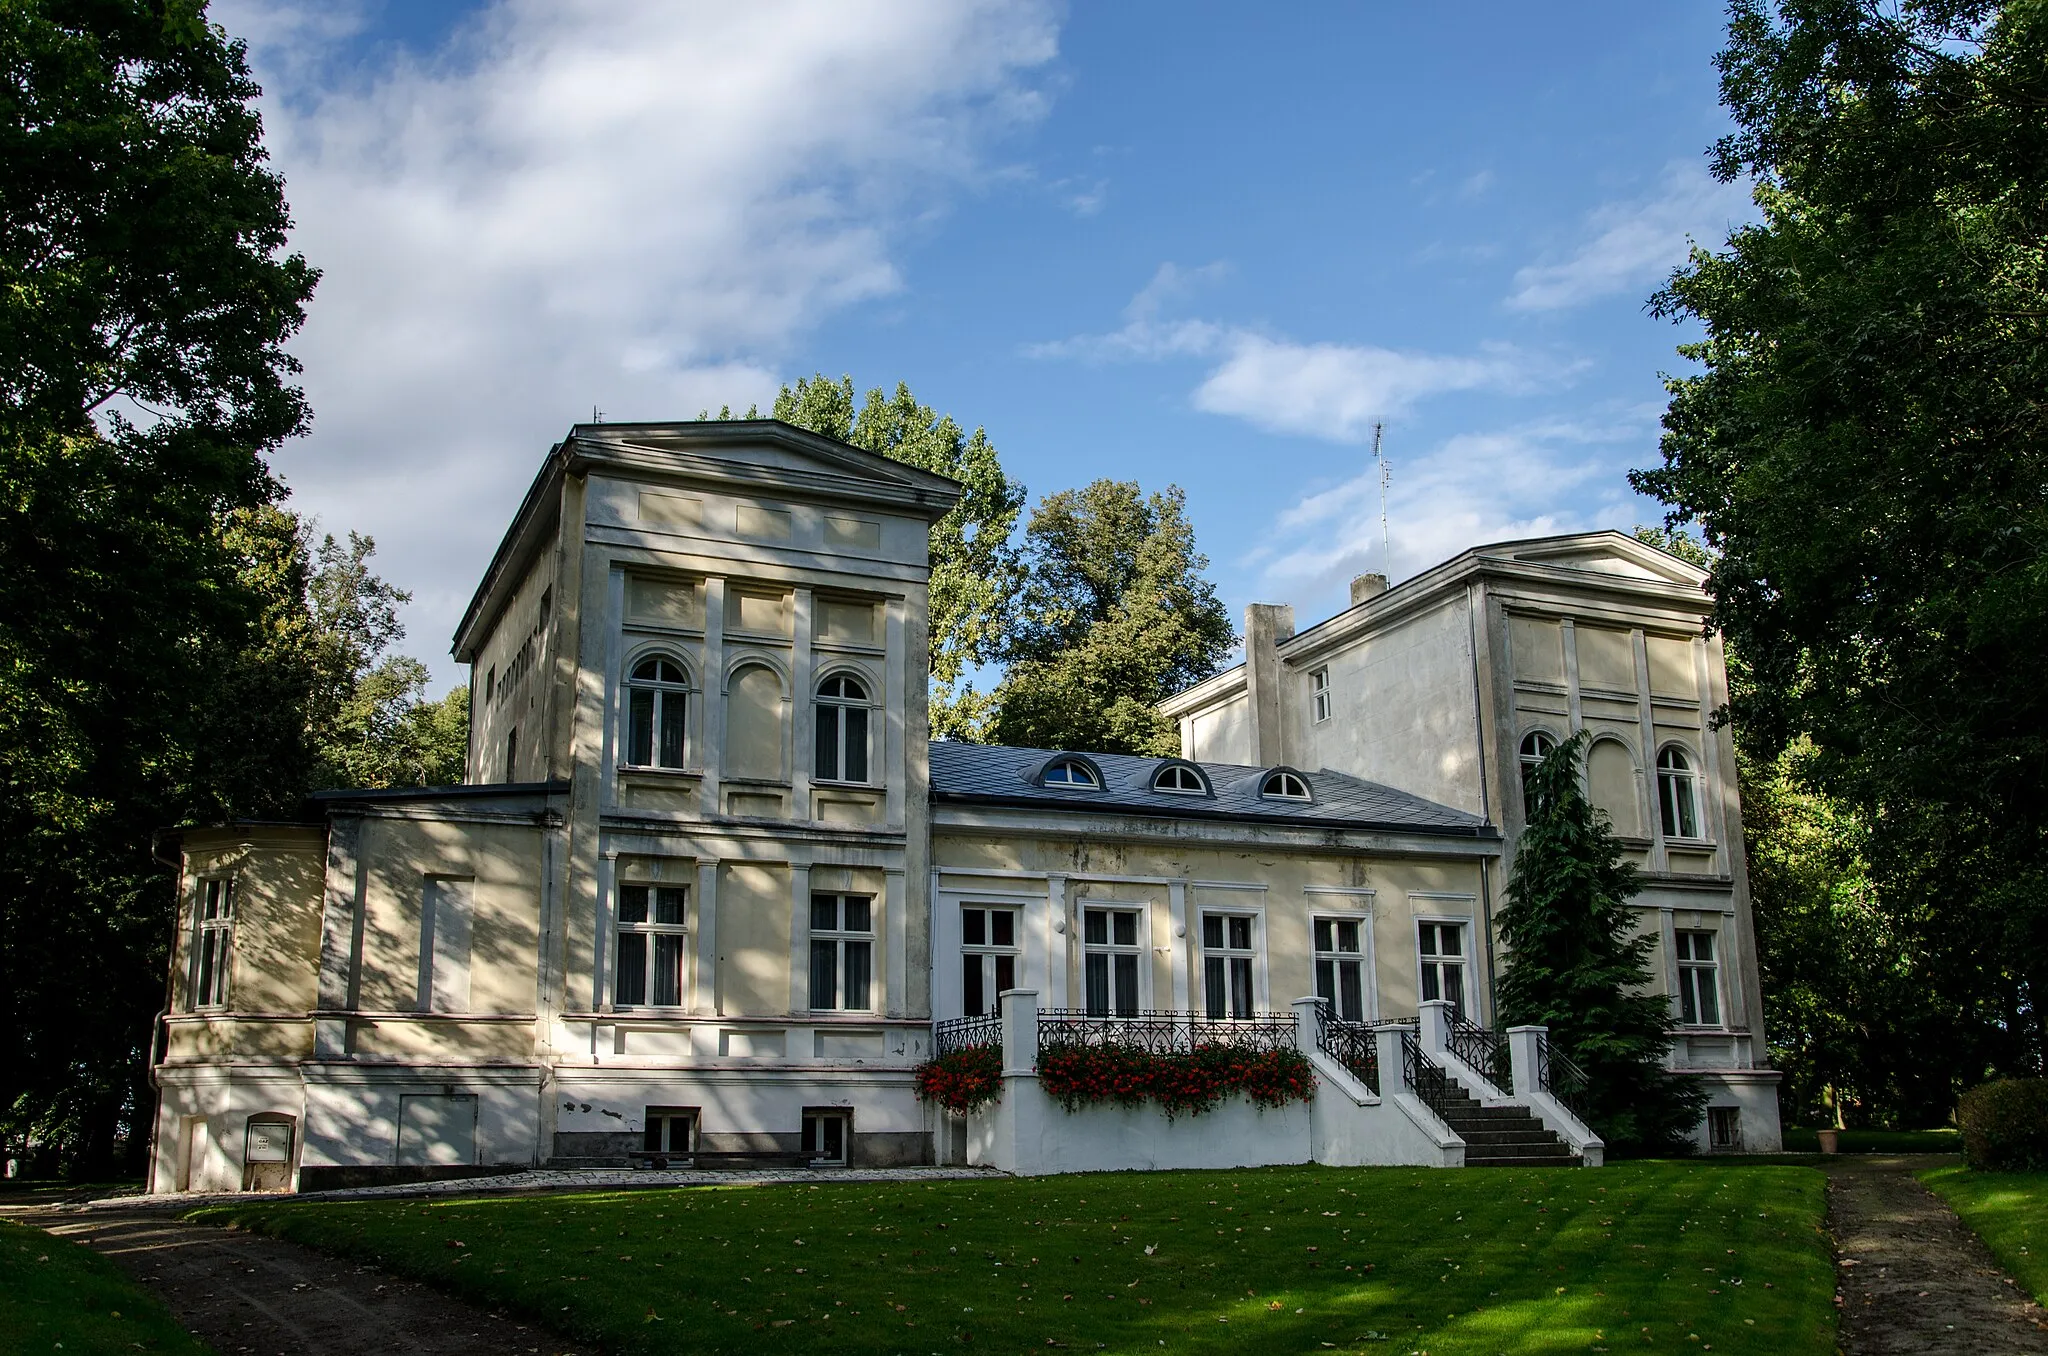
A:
<point x="1193" y="243"/>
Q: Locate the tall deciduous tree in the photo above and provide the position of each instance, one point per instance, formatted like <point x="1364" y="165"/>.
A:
<point x="1116" y="617"/>
<point x="975" y="572"/>
<point x="145" y="299"/>
<point x="1577" y="964"/>
<point x="1865" y="447"/>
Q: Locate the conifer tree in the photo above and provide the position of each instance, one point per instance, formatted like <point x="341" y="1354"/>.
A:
<point x="1577" y="965"/>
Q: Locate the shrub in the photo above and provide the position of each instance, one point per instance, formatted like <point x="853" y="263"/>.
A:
<point x="1081" y="1074"/>
<point x="962" y="1080"/>
<point x="2005" y="1125"/>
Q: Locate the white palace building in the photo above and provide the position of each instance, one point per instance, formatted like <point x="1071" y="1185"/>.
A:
<point x="711" y="894"/>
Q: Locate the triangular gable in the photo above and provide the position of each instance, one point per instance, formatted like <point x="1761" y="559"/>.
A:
<point x="768" y="445"/>
<point x="1608" y="552"/>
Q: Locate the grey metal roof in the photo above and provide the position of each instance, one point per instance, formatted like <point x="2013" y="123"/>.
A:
<point x="995" y="774"/>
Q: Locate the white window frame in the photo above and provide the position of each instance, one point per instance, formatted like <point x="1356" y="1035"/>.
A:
<point x="649" y="930"/>
<point x="1283" y="777"/>
<point x="1237" y="963"/>
<point x="1180" y="773"/>
<point x="1334" y="957"/>
<point x="658" y="1131"/>
<point x="1140" y="948"/>
<point x="1319" y="695"/>
<point x="987" y="955"/>
<point x="213" y="943"/>
<point x="831" y="713"/>
<point x="1463" y="1004"/>
<point x="1072" y="772"/>
<point x="814" y="1136"/>
<point x="842" y="941"/>
<point x="670" y="698"/>
<point x="1544" y="742"/>
<point x="1678" y="790"/>
<point x="1698" y="978"/>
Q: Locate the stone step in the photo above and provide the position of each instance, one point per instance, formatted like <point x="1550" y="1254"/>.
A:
<point x="1521" y="1134"/>
<point x="1525" y="1161"/>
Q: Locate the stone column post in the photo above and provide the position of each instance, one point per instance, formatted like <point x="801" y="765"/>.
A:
<point x="1019" y="1009"/>
<point x="1436" y="1026"/>
<point x="1305" y="1024"/>
<point x="1525" y="1057"/>
<point x="1393" y="1073"/>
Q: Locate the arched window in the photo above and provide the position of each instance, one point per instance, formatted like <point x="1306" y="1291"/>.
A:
<point x="657" y="711"/>
<point x="842" y="710"/>
<point x="1182" y="779"/>
<point x="1281" y="784"/>
<point x="1677" y="794"/>
<point x="1536" y="746"/>
<point x="1070" y="772"/>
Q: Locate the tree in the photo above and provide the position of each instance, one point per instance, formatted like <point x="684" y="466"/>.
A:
<point x="145" y="299"/>
<point x="1116" y="617"/>
<point x="1576" y="964"/>
<point x="974" y="567"/>
<point x="1863" y="447"/>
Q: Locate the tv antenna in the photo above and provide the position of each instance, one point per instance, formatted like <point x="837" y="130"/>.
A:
<point x="1386" y="474"/>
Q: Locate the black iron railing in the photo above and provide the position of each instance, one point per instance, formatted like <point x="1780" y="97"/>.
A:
<point x="1485" y="1051"/>
<point x="966" y="1033"/>
<point x="1560" y="1077"/>
<point x="1351" y="1044"/>
<point x="1423" y="1076"/>
<point x="1165" y="1033"/>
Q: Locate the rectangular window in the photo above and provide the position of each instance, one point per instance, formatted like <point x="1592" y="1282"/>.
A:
<point x="1319" y="694"/>
<point x="511" y="752"/>
<point x="842" y="953"/>
<point x="1227" y="955"/>
<point x="988" y="959"/>
<point x="1724" y="1127"/>
<point x="842" y="743"/>
<point x="1109" y="960"/>
<point x="1442" y="947"/>
<point x="444" y="945"/>
<point x="1340" y="966"/>
<point x="1699" y="980"/>
<point x="825" y="1136"/>
<point x="214" y="943"/>
<point x="653" y="936"/>
<point x="670" y="1130"/>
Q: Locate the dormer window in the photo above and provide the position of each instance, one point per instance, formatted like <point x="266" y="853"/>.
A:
<point x="1071" y="772"/>
<point x="1181" y="779"/>
<point x="1284" y="784"/>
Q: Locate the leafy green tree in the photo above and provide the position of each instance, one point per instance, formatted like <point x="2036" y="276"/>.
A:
<point x="1116" y="617"/>
<point x="1577" y="964"/>
<point x="145" y="299"/>
<point x="1864" y="447"/>
<point x="975" y="573"/>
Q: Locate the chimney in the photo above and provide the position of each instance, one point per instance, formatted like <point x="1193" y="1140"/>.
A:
<point x="1265" y="626"/>
<point x="1367" y="586"/>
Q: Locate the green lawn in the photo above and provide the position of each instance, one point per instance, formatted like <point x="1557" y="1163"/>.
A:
<point x="56" y="1295"/>
<point x="1644" y="1256"/>
<point x="1949" y="1141"/>
<point x="2009" y="1210"/>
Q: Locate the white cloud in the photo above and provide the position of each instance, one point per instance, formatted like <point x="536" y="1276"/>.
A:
<point x="585" y="203"/>
<point x="1635" y="243"/>
<point x="1323" y="390"/>
<point x="1469" y="489"/>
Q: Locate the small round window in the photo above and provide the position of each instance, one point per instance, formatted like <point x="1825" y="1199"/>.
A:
<point x="1069" y="772"/>
<point x="1284" y="785"/>
<point x="1181" y="780"/>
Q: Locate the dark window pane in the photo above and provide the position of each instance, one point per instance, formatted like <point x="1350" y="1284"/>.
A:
<point x="834" y="1128"/>
<point x="632" y="970"/>
<point x="1097" y="967"/>
<point x="971" y="1000"/>
<point x="1323" y="935"/>
<point x="1688" y="1010"/>
<point x="857" y="914"/>
<point x="651" y="1139"/>
<point x="1127" y="985"/>
<point x="1003" y="927"/>
<point x="1215" y="999"/>
<point x="1428" y="935"/>
<point x="1454" y="988"/>
<point x="859" y="965"/>
<point x="1240" y="987"/>
<point x="640" y="736"/>
<point x="1710" y="998"/>
<point x="1006" y="973"/>
<point x="824" y="913"/>
<point x="668" y="971"/>
<point x="1451" y="940"/>
<point x="207" y="940"/>
<point x="632" y="903"/>
<point x="1350" y="993"/>
<point x="1095" y="927"/>
<point x="668" y="904"/>
<point x="828" y="743"/>
<point x="1326" y="980"/>
<point x="1347" y="937"/>
<point x="974" y="927"/>
<point x="1126" y="925"/>
<point x="824" y="974"/>
<point x="1430" y="991"/>
<point x="1212" y="931"/>
<point x="673" y="708"/>
<point x="1241" y="934"/>
<point x="856" y="719"/>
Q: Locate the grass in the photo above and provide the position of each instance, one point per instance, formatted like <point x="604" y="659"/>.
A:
<point x="1948" y="1141"/>
<point x="59" y="1295"/>
<point x="2009" y="1211"/>
<point x="1644" y="1256"/>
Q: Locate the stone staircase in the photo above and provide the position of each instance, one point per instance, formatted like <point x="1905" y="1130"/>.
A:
<point x="1502" y="1136"/>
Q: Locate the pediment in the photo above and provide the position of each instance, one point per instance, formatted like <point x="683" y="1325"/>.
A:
<point x="1609" y="553"/>
<point x="765" y="451"/>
